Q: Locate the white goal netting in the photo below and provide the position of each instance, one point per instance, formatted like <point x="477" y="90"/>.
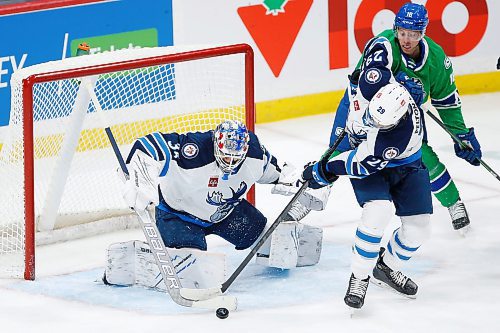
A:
<point x="74" y="172"/>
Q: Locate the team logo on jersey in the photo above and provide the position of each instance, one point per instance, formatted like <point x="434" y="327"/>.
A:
<point x="447" y="63"/>
<point x="225" y="205"/>
<point x="190" y="150"/>
<point x="390" y="153"/>
<point x="373" y="76"/>
<point x="213" y="181"/>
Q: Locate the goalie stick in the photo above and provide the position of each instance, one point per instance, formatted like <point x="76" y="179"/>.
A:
<point x="460" y="142"/>
<point x="200" y="294"/>
<point x="212" y="299"/>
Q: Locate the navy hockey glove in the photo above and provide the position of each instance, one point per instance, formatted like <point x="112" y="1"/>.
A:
<point x="413" y="85"/>
<point x="317" y="175"/>
<point x="472" y="154"/>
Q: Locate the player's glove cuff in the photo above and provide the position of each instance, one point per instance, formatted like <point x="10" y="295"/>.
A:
<point x="317" y="175"/>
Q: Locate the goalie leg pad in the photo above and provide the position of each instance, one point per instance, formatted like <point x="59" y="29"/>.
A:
<point x="291" y="245"/>
<point x="310" y="244"/>
<point x="132" y="263"/>
<point x="281" y="249"/>
<point x="120" y="264"/>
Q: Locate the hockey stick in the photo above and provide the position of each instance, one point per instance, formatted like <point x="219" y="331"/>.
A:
<point x="198" y="294"/>
<point x="460" y="142"/>
<point x="174" y="287"/>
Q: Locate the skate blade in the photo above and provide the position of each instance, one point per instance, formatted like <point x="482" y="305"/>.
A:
<point x="353" y="312"/>
<point x="464" y="231"/>
<point x="386" y="286"/>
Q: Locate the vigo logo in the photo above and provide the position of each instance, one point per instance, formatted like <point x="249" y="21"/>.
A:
<point x="454" y="44"/>
<point x="275" y="24"/>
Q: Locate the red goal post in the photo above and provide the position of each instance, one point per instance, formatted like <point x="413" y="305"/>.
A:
<point x="58" y="115"/>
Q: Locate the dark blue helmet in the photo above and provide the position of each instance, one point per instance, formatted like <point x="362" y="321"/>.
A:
<point x="412" y="16"/>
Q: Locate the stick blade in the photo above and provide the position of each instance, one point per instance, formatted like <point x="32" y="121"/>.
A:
<point x="200" y="294"/>
<point x="228" y="302"/>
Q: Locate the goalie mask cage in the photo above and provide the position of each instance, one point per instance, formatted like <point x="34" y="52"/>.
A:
<point x="57" y="167"/>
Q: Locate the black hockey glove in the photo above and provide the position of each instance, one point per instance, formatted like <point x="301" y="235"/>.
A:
<point x="317" y="175"/>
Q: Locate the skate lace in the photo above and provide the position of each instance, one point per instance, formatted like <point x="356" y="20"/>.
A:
<point x="357" y="287"/>
<point x="399" y="278"/>
<point x="457" y="210"/>
<point x="298" y="211"/>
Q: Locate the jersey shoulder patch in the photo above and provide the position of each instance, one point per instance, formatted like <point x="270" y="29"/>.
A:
<point x="191" y="150"/>
<point x="390" y="153"/>
<point x="373" y="75"/>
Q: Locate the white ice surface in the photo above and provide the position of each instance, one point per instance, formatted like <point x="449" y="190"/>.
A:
<point x="459" y="278"/>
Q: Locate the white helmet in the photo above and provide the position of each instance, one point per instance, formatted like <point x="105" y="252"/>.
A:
<point x="388" y="106"/>
<point x="230" y="144"/>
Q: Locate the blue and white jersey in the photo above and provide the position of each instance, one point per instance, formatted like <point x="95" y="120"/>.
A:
<point x="191" y="184"/>
<point x="375" y="149"/>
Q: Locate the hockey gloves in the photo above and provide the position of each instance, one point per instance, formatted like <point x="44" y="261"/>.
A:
<point x="290" y="181"/>
<point x="471" y="153"/>
<point x="413" y="85"/>
<point x="141" y="189"/>
<point x="317" y="174"/>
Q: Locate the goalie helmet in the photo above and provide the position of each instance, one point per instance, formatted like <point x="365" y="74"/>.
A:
<point x="412" y="16"/>
<point x="230" y="145"/>
<point x="388" y="106"/>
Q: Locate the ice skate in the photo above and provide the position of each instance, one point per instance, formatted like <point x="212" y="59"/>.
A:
<point x="459" y="217"/>
<point x="355" y="295"/>
<point x="385" y="277"/>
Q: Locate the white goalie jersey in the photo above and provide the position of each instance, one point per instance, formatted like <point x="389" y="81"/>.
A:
<point x="190" y="183"/>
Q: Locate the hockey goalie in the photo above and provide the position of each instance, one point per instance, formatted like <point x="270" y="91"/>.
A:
<point x="197" y="183"/>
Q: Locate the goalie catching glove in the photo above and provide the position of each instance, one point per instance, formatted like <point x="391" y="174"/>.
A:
<point x="141" y="189"/>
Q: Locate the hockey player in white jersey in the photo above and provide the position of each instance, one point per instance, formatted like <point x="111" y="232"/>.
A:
<point x="197" y="183"/>
<point x="385" y="166"/>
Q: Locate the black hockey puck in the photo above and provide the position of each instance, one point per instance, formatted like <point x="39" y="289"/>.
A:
<point x="222" y="313"/>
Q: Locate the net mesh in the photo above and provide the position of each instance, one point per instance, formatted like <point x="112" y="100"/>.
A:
<point x="75" y="166"/>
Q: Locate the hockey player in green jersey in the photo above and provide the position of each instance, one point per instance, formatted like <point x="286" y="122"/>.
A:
<point x="406" y="55"/>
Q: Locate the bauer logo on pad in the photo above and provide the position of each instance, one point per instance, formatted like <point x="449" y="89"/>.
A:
<point x="213" y="181"/>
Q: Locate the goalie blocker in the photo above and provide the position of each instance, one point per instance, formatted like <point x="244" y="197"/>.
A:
<point x="131" y="263"/>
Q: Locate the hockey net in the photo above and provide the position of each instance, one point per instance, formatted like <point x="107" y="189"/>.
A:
<point x="64" y="173"/>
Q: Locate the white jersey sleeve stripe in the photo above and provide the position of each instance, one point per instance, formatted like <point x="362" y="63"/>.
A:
<point x="149" y="147"/>
<point x="161" y="142"/>
<point x="349" y="163"/>
<point x="268" y="161"/>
